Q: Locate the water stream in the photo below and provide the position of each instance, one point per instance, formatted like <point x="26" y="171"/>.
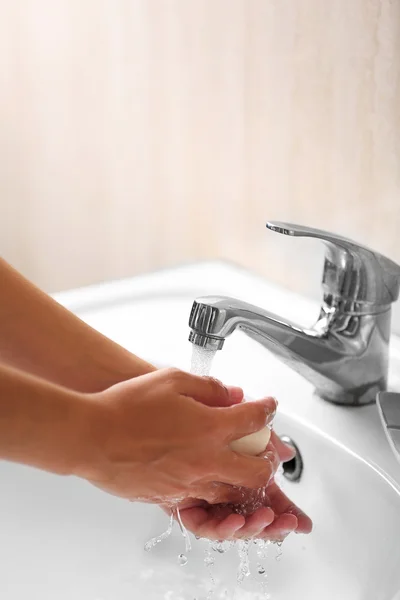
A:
<point x="201" y="365"/>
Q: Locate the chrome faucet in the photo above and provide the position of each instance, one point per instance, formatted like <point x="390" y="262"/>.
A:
<point x="345" y="354"/>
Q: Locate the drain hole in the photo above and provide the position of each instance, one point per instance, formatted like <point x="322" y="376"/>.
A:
<point x="292" y="469"/>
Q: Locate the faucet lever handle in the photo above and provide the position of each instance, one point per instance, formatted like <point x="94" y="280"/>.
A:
<point x="352" y="272"/>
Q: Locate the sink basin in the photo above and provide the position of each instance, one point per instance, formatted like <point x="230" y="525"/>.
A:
<point x="62" y="539"/>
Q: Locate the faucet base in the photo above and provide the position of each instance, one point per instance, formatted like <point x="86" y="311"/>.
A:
<point x="363" y="396"/>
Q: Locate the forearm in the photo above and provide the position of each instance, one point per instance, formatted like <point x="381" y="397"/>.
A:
<point x="43" y="425"/>
<point x="40" y="336"/>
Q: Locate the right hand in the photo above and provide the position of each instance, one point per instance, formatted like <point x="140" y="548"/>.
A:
<point x="164" y="437"/>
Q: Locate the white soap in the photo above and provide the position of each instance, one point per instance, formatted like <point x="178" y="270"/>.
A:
<point x="252" y="444"/>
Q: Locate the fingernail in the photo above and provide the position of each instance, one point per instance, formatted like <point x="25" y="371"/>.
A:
<point x="289" y="447"/>
<point x="236" y="393"/>
<point x="270" y="404"/>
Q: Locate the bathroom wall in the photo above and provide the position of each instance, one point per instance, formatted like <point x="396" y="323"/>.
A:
<point x="136" y="134"/>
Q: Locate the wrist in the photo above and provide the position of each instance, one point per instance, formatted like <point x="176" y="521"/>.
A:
<point x="91" y="424"/>
<point x="65" y="434"/>
<point x="111" y="364"/>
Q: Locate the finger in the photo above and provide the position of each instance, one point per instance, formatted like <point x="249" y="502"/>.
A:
<point x="228" y="527"/>
<point x="207" y="390"/>
<point x="236" y="394"/>
<point x="283" y="505"/>
<point x="285" y="451"/>
<point x="204" y="524"/>
<point x="280" y="528"/>
<point x="233" y="396"/>
<point x="246" y="417"/>
<point x="194" y="518"/>
<point x="256" y="523"/>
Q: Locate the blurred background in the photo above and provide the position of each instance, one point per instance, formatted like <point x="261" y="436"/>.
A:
<point x="138" y="134"/>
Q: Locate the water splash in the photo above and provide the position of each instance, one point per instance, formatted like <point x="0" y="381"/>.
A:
<point x="251" y="501"/>
<point x="222" y="547"/>
<point x="163" y="536"/>
<point x="182" y="558"/>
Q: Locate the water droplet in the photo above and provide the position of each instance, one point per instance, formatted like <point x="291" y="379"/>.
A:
<point x="278" y="550"/>
<point x="182" y="560"/>
<point x="209" y="563"/>
<point x="217" y="547"/>
<point x="222" y="547"/>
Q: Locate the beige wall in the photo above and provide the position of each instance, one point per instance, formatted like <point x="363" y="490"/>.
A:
<point x="139" y="133"/>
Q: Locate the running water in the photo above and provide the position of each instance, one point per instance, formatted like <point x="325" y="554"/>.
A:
<point x="209" y="563"/>
<point x="244" y="566"/>
<point x="278" y="550"/>
<point x="175" y="515"/>
<point x="202" y="360"/>
<point x="201" y="365"/>
<point x="156" y="540"/>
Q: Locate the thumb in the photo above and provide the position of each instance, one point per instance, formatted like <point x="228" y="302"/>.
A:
<point x="284" y="451"/>
<point x="207" y="390"/>
<point x="246" y="417"/>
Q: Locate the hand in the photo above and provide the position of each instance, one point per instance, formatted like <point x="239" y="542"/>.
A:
<point x="267" y="513"/>
<point x="164" y="437"/>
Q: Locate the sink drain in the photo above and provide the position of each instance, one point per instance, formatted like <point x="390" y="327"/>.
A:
<point x="292" y="469"/>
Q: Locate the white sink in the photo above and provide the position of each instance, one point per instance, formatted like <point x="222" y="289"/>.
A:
<point x="62" y="539"/>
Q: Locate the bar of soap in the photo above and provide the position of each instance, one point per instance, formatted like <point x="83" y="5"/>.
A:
<point x="252" y="444"/>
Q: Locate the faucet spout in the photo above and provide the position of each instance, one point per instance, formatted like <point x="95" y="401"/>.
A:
<point x="341" y="355"/>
